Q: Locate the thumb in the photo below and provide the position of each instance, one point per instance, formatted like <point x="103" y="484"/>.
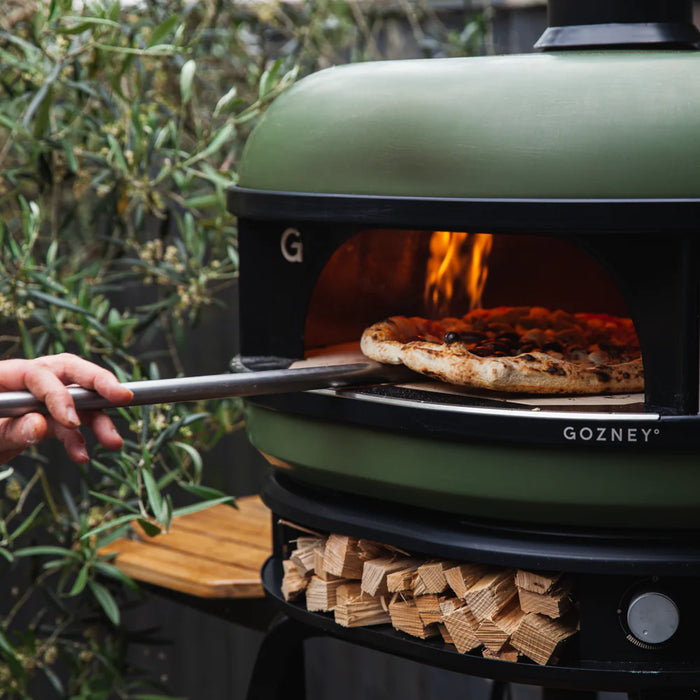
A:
<point x="16" y="434"/>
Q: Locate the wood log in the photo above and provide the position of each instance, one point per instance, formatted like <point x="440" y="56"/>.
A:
<point x="347" y="591"/>
<point x="320" y="566"/>
<point x="361" y="612"/>
<point x="507" y="653"/>
<point x="405" y="616"/>
<point x="461" y="578"/>
<point x="342" y="557"/>
<point x="445" y="633"/>
<point x="321" y="595"/>
<point x="371" y="550"/>
<point x="303" y="556"/>
<point x="491" y="593"/>
<point x="293" y="583"/>
<point x="553" y="604"/>
<point x="376" y="571"/>
<point x="540" y="638"/>
<point x="462" y="626"/>
<point x="431" y="577"/>
<point x="494" y="634"/>
<point x="448" y="605"/>
<point x="429" y="608"/>
<point x="536" y="582"/>
<point x="401" y="581"/>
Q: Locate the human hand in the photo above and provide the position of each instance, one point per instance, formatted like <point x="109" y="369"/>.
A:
<point x="46" y="378"/>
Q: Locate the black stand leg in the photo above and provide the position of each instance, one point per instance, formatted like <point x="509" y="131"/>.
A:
<point x="500" y="691"/>
<point x="279" y="666"/>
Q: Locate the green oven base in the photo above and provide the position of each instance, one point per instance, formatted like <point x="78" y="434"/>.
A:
<point x="587" y="487"/>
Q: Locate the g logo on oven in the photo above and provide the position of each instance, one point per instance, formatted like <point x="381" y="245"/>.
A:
<point x="609" y="434"/>
<point x="291" y="246"/>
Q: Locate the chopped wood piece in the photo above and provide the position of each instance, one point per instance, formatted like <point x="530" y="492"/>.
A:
<point x="303" y="556"/>
<point x="445" y="633"/>
<point x="429" y="608"/>
<point x="321" y="595"/>
<point x="293" y="583"/>
<point x="462" y="626"/>
<point x="540" y="582"/>
<point x="405" y="616"/>
<point x="376" y="571"/>
<point x="348" y="591"/>
<point x="491" y="593"/>
<point x="431" y="577"/>
<point x="507" y="653"/>
<point x="553" y="604"/>
<point x="361" y="612"/>
<point x="539" y="638"/>
<point x="461" y="578"/>
<point x="401" y="581"/>
<point x="342" y="557"/>
<point x="371" y="550"/>
<point x="494" y="634"/>
<point x="448" y="605"/>
<point x="319" y="564"/>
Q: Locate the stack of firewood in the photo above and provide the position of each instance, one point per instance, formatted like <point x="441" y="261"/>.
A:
<point x="505" y="613"/>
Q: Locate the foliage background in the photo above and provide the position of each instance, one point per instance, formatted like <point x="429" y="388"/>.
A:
<point x="120" y="129"/>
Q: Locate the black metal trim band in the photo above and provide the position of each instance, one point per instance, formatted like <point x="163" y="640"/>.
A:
<point x="651" y="35"/>
<point x="452" y="537"/>
<point x="553" y="216"/>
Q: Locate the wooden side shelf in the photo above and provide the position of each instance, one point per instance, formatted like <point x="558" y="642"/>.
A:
<point x="214" y="553"/>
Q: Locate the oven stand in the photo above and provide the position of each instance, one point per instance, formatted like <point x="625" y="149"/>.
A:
<point x="279" y="671"/>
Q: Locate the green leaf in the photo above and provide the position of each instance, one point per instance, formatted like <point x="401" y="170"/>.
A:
<point x="155" y="500"/>
<point x="203" y="505"/>
<point x="114" y="501"/>
<point x="80" y="581"/>
<point x="106" y="601"/>
<point x="204" y="492"/>
<point x="121" y="520"/>
<point x="193" y="455"/>
<point x="117" y="574"/>
<point x="56" y="301"/>
<point x="162" y="30"/>
<point x="45" y="550"/>
<point x="186" y="80"/>
<point x="226" y="101"/>
<point x="26" y="524"/>
<point x="6" y="554"/>
<point x="151" y="529"/>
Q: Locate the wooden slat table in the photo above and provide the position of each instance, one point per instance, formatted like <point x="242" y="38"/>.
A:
<point x="214" y="553"/>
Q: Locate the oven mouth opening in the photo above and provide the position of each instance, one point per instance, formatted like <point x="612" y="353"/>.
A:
<point x="379" y="273"/>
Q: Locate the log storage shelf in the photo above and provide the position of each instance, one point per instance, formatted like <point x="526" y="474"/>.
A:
<point x="212" y="553"/>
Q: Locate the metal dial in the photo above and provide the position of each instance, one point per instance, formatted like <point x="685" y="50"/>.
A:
<point x="652" y="617"/>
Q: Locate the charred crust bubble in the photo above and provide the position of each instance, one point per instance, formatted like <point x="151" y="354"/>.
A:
<point x="554" y="369"/>
<point x="527" y="356"/>
<point x="451" y="337"/>
<point x="603" y="376"/>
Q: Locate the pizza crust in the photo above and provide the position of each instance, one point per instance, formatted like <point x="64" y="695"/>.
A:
<point x="420" y="345"/>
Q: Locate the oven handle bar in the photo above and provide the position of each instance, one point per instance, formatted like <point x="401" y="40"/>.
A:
<point x="217" y="386"/>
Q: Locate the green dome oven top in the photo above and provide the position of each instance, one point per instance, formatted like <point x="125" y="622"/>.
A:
<point x="590" y="124"/>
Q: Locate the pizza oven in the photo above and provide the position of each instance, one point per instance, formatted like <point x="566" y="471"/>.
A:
<point x="569" y="178"/>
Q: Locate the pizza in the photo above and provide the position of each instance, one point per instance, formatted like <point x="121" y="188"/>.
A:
<point x="515" y="349"/>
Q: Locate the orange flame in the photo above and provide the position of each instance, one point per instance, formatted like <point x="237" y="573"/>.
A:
<point x="457" y="270"/>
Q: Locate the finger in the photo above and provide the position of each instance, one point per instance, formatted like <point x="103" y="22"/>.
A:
<point x="103" y="428"/>
<point x="73" y="443"/>
<point x="16" y="434"/>
<point x="48" y="388"/>
<point x="71" y="369"/>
